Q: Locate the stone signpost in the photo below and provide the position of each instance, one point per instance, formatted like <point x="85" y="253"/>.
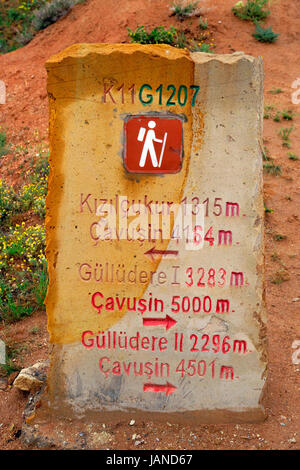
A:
<point x="155" y="235"/>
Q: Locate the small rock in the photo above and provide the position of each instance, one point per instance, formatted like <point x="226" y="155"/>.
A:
<point x="131" y="422"/>
<point x="296" y="299"/>
<point x="32" y="378"/>
<point x="292" y="440"/>
<point x="138" y="443"/>
<point x="98" y="439"/>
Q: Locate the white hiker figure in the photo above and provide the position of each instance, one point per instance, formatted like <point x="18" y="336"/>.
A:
<point x="149" y="145"/>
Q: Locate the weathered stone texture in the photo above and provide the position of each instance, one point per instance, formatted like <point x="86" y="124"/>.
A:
<point x="91" y="96"/>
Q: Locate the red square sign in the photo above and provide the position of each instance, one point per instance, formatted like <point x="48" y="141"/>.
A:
<point x="153" y="144"/>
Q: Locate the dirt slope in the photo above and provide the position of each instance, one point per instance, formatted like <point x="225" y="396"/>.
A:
<point x="26" y="111"/>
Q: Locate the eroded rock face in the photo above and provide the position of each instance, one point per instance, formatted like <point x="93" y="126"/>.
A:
<point x="155" y="324"/>
<point x="32" y="378"/>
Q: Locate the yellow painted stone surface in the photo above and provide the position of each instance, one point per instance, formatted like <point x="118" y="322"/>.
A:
<point x="85" y="140"/>
<point x="210" y="364"/>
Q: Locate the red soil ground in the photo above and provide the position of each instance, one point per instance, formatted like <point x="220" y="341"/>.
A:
<point x="26" y="112"/>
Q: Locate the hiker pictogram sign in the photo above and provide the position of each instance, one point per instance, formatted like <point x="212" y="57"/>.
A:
<point x="153" y="144"/>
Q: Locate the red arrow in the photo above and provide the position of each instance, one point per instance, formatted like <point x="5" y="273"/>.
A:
<point x="168" y="322"/>
<point x="152" y="252"/>
<point x="168" y="389"/>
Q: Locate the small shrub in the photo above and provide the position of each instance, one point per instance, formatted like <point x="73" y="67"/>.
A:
<point x="23" y="275"/>
<point x="13" y="305"/>
<point x="33" y="195"/>
<point x="157" y="36"/>
<point x="51" y="12"/>
<point x="265" y="34"/>
<point x="41" y="283"/>
<point x="268" y="210"/>
<point x="8" y="202"/>
<point x="35" y="330"/>
<point x="206" y="48"/>
<point x="285" y="136"/>
<point x="24" y="38"/>
<point x="252" y="11"/>
<point x="266" y="154"/>
<point x="278" y="237"/>
<point x="181" y="41"/>
<point x="292" y="156"/>
<point x="272" y="169"/>
<point x="15" y="23"/>
<point x="287" y="115"/>
<point x="203" y="24"/>
<point x="3" y="144"/>
<point x="40" y="166"/>
<point x="10" y="366"/>
<point x="183" y="10"/>
<point x="21" y="243"/>
<point x="275" y="91"/>
<point x="267" y="111"/>
<point x="277" y="117"/>
<point x="202" y="47"/>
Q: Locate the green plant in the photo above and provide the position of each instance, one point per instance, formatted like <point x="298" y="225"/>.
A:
<point x="285" y="136"/>
<point x="287" y="115"/>
<point x="16" y="23"/>
<point x="202" y="47"/>
<point x="181" y="41"/>
<point x="268" y="210"/>
<point x="8" y="202"/>
<point x="34" y="330"/>
<point x="3" y="144"/>
<point x="10" y="365"/>
<point x="12" y="304"/>
<point x="51" y="12"/>
<point x="203" y="24"/>
<point x="33" y="195"/>
<point x="292" y="156"/>
<point x="205" y="48"/>
<point x="266" y="154"/>
<point x="157" y="36"/>
<point x="183" y="10"/>
<point x="23" y="243"/>
<point x="278" y="237"/>
<point x="23" y="269"/>
<point x="254" y="10"/>
<point x="265" y="34"/>
<point x="41" y="283"/>
<point x="23" y="274"/>
<point x="267" y="111"/>
<point x="40" y="165"/>
<point x="275" y="91"/>
<point x="272" y="169"/>
<point x="277" y="117"/>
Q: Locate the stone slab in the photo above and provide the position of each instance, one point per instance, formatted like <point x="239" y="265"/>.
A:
<point x="147" y="326"/>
